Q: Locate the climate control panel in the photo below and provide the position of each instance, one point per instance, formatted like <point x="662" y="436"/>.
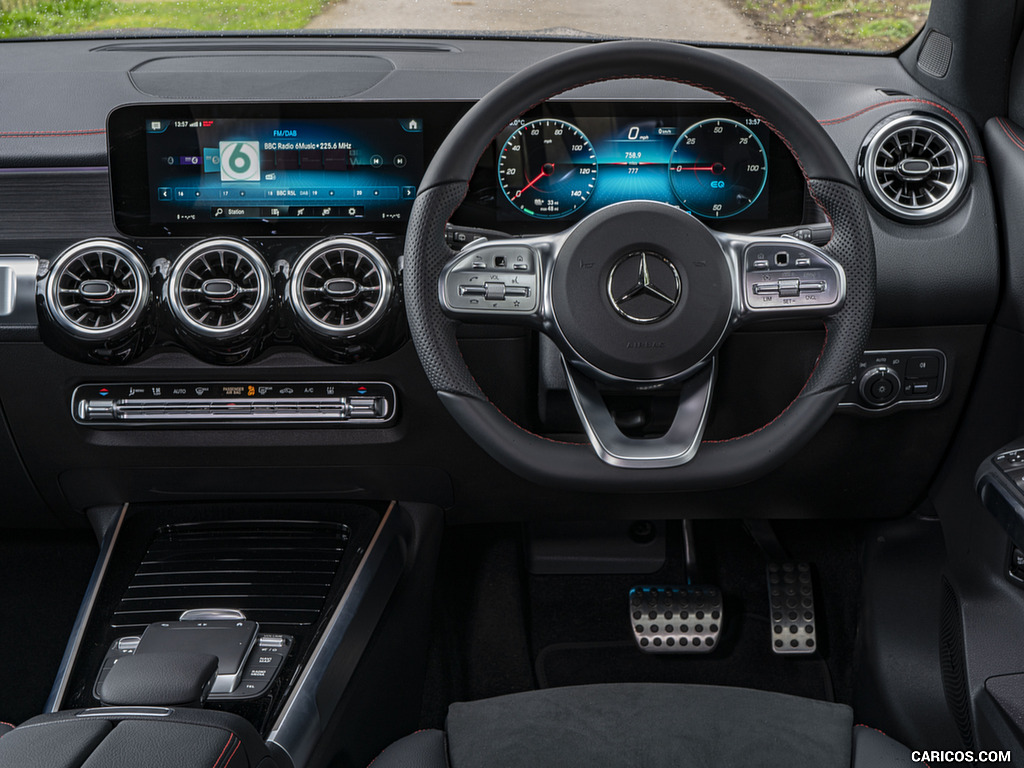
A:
<point x="249" y="403"/>
<point x="888" y="379"/>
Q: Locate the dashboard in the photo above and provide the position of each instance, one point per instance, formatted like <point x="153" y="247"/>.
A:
<point x="218" y="331"/>
<point x="345" y="178"/>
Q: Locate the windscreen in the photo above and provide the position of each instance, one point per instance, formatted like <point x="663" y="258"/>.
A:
<point x="866" y="25"/>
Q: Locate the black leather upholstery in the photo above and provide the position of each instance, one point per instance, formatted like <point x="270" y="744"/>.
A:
<point x="159" y="679"/>
<point x="153" y="737"/>
<point x="607" y="725"/>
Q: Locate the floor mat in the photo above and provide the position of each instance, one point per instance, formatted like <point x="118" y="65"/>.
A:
<point x="745" y="659"/>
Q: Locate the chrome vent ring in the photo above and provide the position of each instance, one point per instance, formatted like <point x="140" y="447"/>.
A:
<point x="219" y="289"/>
<point x="341" y="287"/>
<point x="97" y="289"/>
<point x="915" y="167"/>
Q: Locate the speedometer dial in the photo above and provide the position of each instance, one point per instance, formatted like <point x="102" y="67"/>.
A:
<point x="718" y="168"/>
<point x="548" y="169"/>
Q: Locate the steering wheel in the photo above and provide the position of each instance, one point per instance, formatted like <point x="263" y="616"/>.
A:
<point x="639" y="296"/>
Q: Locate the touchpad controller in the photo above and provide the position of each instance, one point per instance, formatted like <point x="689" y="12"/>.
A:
<point x="248" y="660"/>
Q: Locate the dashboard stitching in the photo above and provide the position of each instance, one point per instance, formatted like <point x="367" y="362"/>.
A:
<point x="783" y="411"/>
<point x="858" y="113"/>
<point x="1010" y="134"/>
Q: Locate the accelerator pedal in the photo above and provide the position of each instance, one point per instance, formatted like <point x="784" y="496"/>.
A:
<point x="671" y="619"/>
<point x="791" y="596"/>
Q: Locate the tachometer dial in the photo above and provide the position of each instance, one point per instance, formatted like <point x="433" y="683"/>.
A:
<point x="548" y="169"/>
<point x="718" y="168"/>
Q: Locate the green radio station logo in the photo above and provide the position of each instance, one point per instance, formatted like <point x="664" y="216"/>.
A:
<point x="239" y="161"/>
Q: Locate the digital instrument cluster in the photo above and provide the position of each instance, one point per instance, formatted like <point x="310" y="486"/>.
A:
<point x="568" y="159"/>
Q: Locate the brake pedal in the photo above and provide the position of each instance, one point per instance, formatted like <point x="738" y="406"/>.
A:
<point x="676" y="619"/>
<point x="791" y="594"/>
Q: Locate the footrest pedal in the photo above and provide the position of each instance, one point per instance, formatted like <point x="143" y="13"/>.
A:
<point x="791" y="599"/>
<point x="669" y="619"/>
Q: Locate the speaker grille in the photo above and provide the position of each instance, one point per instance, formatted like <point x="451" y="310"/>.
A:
<point x="97" y="289"/>
<point x="935" y="55"/>
<point x="954" y="674"/>
<point x="915" y="167"/>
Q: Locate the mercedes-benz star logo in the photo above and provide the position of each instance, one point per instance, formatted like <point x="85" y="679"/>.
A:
<point x="644" y="287"/>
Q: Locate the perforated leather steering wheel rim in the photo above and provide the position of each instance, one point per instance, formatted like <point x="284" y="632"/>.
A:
<point x="717" y="464"/>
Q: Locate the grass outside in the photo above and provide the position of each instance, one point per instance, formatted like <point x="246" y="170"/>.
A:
<point x="23" y="18"/>
<point x="866" y="25"/>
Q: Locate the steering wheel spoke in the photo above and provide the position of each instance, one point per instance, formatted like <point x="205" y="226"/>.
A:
<point x="497" y="281"/>
<point x="782" y="277"/>
<point x="677" y="446"/>
<point x="638" y="295"/>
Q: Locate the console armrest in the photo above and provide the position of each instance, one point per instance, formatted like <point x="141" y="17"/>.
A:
<point x="160" y="679"/>
<point x="155" y="737"/>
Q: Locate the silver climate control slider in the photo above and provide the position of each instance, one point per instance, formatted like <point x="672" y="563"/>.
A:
<point x="213" y="403"/>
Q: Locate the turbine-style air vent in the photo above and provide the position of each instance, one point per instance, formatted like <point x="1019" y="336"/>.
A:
<point x="219" y="289"/>
<point x="915" y="167"/>
<point x="341" y="287"/>
<point x="97" y="289"/>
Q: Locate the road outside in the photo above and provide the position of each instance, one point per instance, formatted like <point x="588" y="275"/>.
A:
<point x="712" y="20"/>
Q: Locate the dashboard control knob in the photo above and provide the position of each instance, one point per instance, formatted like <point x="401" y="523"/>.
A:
<point x="879" y="386"/>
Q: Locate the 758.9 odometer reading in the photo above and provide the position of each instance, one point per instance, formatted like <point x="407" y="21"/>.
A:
<point x="547" y="168"/>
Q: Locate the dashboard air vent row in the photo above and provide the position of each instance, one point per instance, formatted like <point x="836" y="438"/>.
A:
<point x="97" y="289"/>
<point x="915" y="167"/>
<point x="341" y="287"/>
<point x="219" y="288"/>
<point x="277" y="573"/>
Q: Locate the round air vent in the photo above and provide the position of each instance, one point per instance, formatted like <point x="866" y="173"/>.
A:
<point x="219" y="289"/>
<point x="915" y="167"/>
<point x="97" y="289"/>
<point x="340" y="287"/>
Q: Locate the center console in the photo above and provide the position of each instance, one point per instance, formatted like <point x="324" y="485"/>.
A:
<point x="258" y="612"/>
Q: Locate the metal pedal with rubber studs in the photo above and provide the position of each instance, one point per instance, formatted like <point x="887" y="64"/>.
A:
<point x="673" y="619"/>
<point x="791" y="597"/>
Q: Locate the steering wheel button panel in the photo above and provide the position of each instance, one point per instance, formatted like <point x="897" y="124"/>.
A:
<point x="783" y="276"/>
<point x="492" y="278"/>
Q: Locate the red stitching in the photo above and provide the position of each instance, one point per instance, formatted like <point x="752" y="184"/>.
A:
<point x="803" y="172"/>
<point x="232" y="754"/>
<point x="9" y="725"/>
<point x="858" y="113"/>
<point x="783" y="411"/>
<point x="42" y="134"/>
<point x="226" y="745"/>
<point x="1010" y="134"/>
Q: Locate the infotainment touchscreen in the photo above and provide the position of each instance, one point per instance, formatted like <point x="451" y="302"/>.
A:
<point x="223" y="170"/>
